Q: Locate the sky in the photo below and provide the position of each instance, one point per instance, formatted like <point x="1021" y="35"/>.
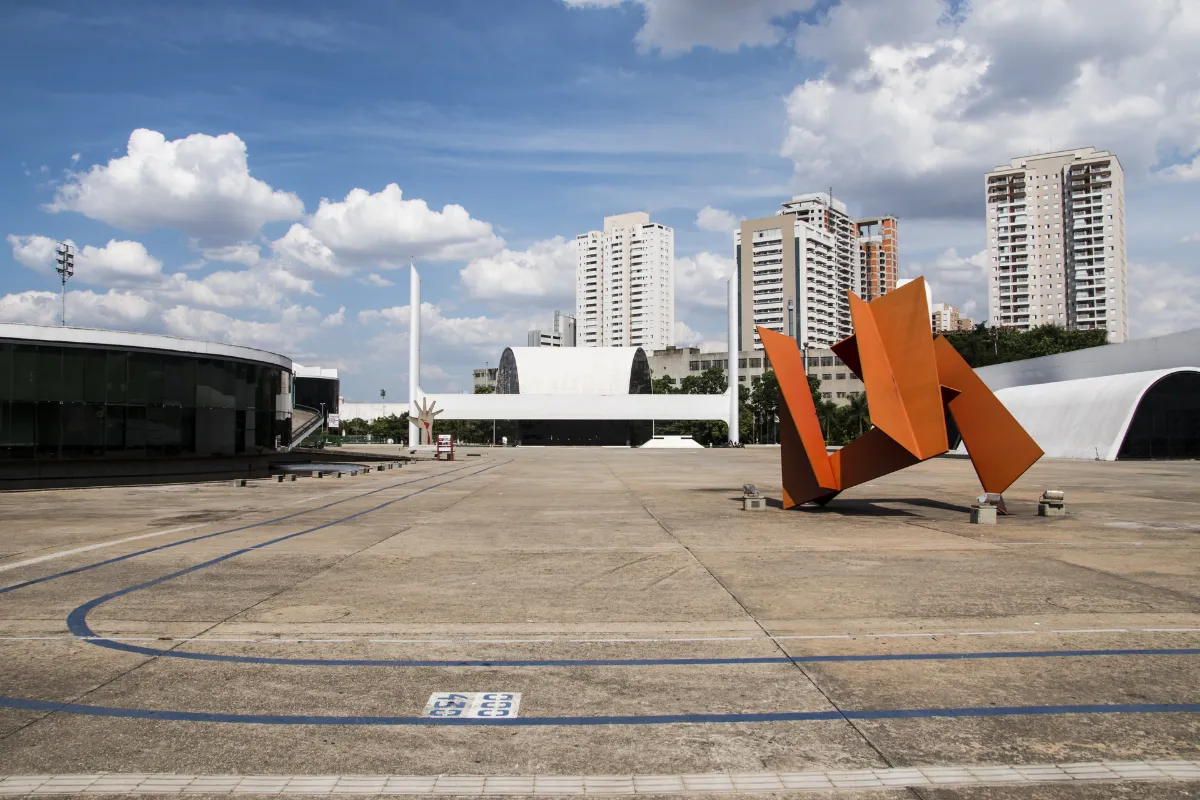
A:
<point x="262" y="174"/>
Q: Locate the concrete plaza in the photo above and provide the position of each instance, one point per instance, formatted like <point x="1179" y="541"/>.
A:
<point x="652" y="627"/>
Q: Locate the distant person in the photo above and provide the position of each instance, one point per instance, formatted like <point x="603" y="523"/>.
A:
<point x="504" y="441"/>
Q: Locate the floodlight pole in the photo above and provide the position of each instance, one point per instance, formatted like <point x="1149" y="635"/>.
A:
<point x="65" y="270"/>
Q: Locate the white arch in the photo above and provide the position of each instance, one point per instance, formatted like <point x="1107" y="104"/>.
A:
<point x="574" y="370"/>
<point x="1085" y="418"/>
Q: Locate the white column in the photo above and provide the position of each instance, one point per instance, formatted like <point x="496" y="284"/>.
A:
<point x="414" y="355"/>
<point x="734" y="434"/>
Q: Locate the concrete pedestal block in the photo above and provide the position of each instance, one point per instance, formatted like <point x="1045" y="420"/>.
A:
<point x="279" y="478"/>
<point x="1047" y="509"/>
<point x="337" y="474"/>
<point x="291" y="478"/>
<point x="316" y="473"/>
<point x="754" y="503"/>
<point x="240" y="482"/>
<point x="983" y="515"/>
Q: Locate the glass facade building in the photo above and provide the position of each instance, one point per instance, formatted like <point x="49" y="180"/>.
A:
<point x="64" y="400"/>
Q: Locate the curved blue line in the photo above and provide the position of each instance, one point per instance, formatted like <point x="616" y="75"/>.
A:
<point x="77" y="622"/>
<point x="620" y="662"/>
<point x="650" y="719"/>
<point x="106" y="562"/>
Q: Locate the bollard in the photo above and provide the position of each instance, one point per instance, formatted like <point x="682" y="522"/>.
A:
<point x="983" y="515"/>
<point x="279" y="478"/>
<point x="291" y="478"/>
<point x="239" y="482"/>
<point x="337" y="474"/>
<point x="754" y="503"/>
<point x="316" y="473"/>
<point x="1052" y="503"/>
<point x="380" y="468"/>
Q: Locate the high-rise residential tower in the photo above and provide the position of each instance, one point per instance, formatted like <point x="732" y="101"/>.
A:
<point x="796" y="268"/>
<point x="878" y="250"/>
<point x="625" y="284"/>
<point x="1056" y="242"/>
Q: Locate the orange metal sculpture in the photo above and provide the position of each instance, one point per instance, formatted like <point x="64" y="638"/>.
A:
<point x="912" y="380"/>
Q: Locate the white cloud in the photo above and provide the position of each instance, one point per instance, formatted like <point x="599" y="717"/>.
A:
<point x="545" y="269"/>
<point x="258" y="288"/>
<point x="481" y="332"/>
<point x="677" y="26"/>
<point x="301" y="251"/>
<point x="708" y="343"/>
<point x="117" y="263"/>
<point x="702" y="280"/>
<point x="336" y="319"/>
<point x="279" y="335"/>
<point x="375" y="279"/>
<point x="1190" y="238"/>
<point x="914" y="105"/>
<point x="716" y="220"/>
<point x="385" y="230"/>
<point x="1184" y="172"/>
<point x="958" y="280"/>
<point x="200" y="184"/>
<point x="246" y="253"/>
<point x="74" y="157"/>
<point x="1163" y="298"/>
<point x="85" y="309"/>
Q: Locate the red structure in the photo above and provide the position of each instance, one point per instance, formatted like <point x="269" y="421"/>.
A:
<point x="912" y="381"/>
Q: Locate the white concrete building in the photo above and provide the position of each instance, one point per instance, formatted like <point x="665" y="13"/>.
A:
<point x="1138" y="399"/>
<point x="561" y="333"/>
<point x="1056" y="242"/>
<point x="625" y="284"/>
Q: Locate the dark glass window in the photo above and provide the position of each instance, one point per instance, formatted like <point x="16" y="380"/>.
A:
<point x="5" y="372"/>
<point x="117" y="377"/>
<point x="74" y="370"/>
<point x="83" y="402"/>
<point x="24" y="372"/>
<point x="49" y="373"/>
<point x="94" y="377"/>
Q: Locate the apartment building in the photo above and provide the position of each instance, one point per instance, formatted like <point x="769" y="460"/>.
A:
<point x="561" y="333"/>
<point x="1056" y="242"/>
<point x="796" y="268"/>
<point x="879" y="256"/>
<point x="625" y="284"/>
<point x="945" y="318"/>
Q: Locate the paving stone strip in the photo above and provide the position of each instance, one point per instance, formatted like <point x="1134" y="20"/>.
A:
<point x="497" y="785"/>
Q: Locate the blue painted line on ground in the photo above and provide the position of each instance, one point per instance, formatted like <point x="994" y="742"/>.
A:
<point x="77" y="622"/>
<point x="650" y="719"/>
<point x="106" y="562"/>
<point x="628" y="662"/>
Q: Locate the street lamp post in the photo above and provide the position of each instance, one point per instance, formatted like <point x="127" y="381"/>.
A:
<point x="324" y="426"/>
<point x="65" y="270"/>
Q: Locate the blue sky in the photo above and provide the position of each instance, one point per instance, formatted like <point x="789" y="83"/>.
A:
<point x="507" y="128"/>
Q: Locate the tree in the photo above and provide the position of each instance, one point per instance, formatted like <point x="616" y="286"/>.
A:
<point x="390" y="427"/>
<point x="355" y="427"/>
<point x="998" y="345"/>
<point x="858" y="414"/>
<point x="764" y="407"/>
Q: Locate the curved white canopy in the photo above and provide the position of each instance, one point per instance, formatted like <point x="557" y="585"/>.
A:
<point x="574" y="370"/>
<point x="1085" y="418"/>
<point x="127" y="340"/>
